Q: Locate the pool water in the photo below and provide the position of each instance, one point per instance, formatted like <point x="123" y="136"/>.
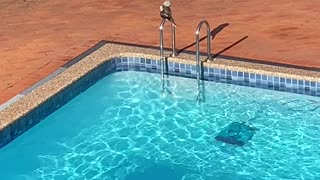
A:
<point x="124" y="128"/>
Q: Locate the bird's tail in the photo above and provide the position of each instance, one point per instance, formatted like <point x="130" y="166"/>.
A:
<point x="173" y="23"/>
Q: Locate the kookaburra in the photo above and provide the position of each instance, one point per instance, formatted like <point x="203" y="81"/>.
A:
<point x="166" y="13"/>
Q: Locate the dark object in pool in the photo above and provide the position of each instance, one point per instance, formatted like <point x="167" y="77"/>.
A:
<point x="236" y="133"/>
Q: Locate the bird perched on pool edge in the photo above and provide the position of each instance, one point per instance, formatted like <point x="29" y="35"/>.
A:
<point x="166" y="13"/>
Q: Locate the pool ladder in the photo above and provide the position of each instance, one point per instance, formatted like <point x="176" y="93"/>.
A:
<point x="173" y="54"/>
<point x="200" y="94"/>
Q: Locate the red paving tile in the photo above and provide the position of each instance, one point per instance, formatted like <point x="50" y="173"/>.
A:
<point x="38" y="36"/>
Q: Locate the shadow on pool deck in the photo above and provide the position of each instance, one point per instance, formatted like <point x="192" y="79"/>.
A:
<point x="213" y="34"/>
<point x="229" y="47"/>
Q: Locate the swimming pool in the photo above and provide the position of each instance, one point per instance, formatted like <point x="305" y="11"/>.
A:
<point x="122" y="127"/>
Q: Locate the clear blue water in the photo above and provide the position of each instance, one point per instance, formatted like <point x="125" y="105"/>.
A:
<point x="124" y="128"/>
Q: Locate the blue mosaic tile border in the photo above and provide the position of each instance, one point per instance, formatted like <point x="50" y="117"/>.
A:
<point x="148" y="65"/>
<point x="222" y="75"/>
<point x="137" y="64"/>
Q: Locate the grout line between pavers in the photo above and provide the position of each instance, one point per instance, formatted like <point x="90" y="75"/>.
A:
<point x="42" y="81"/>
<point x="10" y="101"/>
<point x="31" y="88"/>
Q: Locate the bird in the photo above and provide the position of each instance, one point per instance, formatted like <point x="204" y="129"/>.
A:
<point x="166" y="13"/>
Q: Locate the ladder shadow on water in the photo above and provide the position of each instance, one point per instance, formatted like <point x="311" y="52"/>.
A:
<point x="166" y="82"/>
<point x="202" y="90"/>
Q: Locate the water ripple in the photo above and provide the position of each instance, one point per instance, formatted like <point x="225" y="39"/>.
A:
<point x="138" y="129"/>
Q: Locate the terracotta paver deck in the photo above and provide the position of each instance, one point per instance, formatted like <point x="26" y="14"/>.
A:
<point x="39" y="36"/>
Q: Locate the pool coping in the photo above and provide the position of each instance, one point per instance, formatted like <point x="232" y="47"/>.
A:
<point x="104" y="51"/>
<point x="104" y="42"/>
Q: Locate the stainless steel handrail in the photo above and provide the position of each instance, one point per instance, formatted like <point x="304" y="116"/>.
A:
<point x="173" y="29"/>
<point x="198" y="50"/>
<point x="208" y="38"/>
